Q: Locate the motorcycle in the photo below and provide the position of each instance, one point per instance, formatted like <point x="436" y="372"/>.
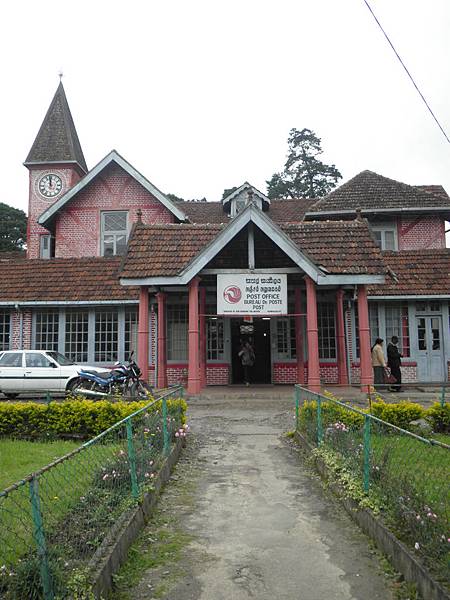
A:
<point x="124" y="380"/>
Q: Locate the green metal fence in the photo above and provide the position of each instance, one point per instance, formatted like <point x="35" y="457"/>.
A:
<point x="406" y="475"/>
<point x="53" y="522"/>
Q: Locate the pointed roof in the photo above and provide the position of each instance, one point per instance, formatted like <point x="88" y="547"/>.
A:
<point x="57" y="140"/>
<point x="245" y="187"/>
<point x="373" y="193"/>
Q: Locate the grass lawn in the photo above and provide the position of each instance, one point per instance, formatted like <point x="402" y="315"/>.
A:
<point x="19" y="458"/>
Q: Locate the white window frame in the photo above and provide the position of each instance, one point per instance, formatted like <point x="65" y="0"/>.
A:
<point x="5" y="330"/>
<point x="114" y="233"/>
<point x="45" y="252"/>
<point x="384" y="228"/>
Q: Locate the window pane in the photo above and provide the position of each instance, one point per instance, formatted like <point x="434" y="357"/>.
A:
<point x="214" y="339"/>
<point x="12" y="359"/>
<point x="421" y="334"/>
<point x="327" y="329"/>
<point x="377" y="235"/>
<point x="37" y="360"/>
<point x="5" y="330"/>
<point x="76" y="342"/>
<point x="130" y="333"/>
<point x="389" y="240"/>
<point x="115" y="221"/>
<point x="114" y="232"/>
<point x="47" y="329"/>
<point x="177" y="332"/>
<point x="106" y="336"/>
<point x="374" y="325"/>
<point x="435" y="333"/>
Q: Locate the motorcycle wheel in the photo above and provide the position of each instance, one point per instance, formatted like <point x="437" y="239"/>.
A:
<point x="141" y="390"/>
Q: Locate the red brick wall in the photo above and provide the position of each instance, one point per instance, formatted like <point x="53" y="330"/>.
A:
<point x="217" y="374"/>
<point x="78" y="225"/>
<point x="26" y="330"/>
<point x="287" y="373"/>
<point x="416" y="233"/>
<point x="409" y="372"/>
<point x="37" y="204"/>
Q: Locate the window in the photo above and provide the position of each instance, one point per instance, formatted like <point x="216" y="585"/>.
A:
<point x="131" y="322"/>
<point x="106" y="336"/>
<point x="76" y="342"/>
<point x="114" y="232"/>
<point x="396" y="316"/>
<point x="5" y="330"/>
<point x="177" y="332"/>
<point x="37" y="360"/>
<point x="327" y="329"/>
<point x="47" y="330"/>
<point x="386" y="235"/>
<point x="286" y="342"/>
<point x="373" y="323"/>
<point x="214" y="339"/>
<point x="45" y="246"/>
<point x="11" y="359"/>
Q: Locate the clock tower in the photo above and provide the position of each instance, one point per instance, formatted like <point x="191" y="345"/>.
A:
<point x="55" y="163"/>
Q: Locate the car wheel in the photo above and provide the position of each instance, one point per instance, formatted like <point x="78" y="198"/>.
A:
<point x="11" y="396"/>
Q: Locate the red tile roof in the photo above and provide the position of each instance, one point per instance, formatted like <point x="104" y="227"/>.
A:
<point x="77" y="279"/>
<point x="419" y="272"/>
<point x="370" y="191"/>
<point x="339" y="246"/>
<point x="165" y="250"/>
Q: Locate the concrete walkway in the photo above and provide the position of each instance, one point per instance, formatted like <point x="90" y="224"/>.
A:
<point x="260" y="525"/>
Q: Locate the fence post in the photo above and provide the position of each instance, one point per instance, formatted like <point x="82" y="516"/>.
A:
<point x="297" y="403"/>
<point x="132" y="460"/>
<point x="39" y="539"/>
<point x="319" y="420"/>
<point x="443" y="396"/>
<point x="48" y="398"/>
<point x="366" y="464"/>
<point x="166" y="444"/>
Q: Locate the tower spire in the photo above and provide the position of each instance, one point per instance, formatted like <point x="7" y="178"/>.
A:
<point x="57" y="140"/>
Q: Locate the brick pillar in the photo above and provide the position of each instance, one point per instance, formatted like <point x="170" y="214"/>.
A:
<point x="299" y="336"/>
<point x="364" y="339"/>
<point x="202" y="337"/>
<point x="340" y="335"/>
<point x="313" y="336"/>
<point x="162" y="351"/>
<point x="193" y="386"/>
<point x="143" y="332"/>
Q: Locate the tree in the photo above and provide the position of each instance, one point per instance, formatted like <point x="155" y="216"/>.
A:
<point x="304" y="175"/>
<point x="13" y="228"/>
<point x="228" y="191"/>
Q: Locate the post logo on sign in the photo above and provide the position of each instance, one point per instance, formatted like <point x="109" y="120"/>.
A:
<point x="232" y="294"/>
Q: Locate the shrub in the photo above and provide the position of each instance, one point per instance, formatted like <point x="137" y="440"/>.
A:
<point x="400" y="414"/>
<point x="85" y="418"/>
<point x="331" y="413"/>
<point x="439" y="417"/>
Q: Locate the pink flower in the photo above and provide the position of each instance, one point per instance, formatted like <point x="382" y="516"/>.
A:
<point x="177" y="434"/>
<point x="417" y="546"/>
<point x="105" y="476"/>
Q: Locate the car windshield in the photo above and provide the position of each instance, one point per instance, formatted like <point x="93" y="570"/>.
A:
<point x="60" y="359"/>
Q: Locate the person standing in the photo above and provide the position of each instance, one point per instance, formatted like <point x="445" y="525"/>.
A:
<point x="394" y="363"/>
<point x="247" y="356"/>
<point x="378" y="362"/>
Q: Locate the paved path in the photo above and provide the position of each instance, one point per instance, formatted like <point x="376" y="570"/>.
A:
<point x="261" y="526"/>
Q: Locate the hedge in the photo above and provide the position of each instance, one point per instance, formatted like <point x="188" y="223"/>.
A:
<point x="400" y="414"/>
<point x="80" y="418"/>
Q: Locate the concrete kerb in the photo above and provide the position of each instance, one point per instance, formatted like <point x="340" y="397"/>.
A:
<point x="113" y="550"/>
<point x="399" y="555"/>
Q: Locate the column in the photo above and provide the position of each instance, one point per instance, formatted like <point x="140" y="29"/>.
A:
<point x="143" y="332"/>
<point x="313" y="336"/>
<point x="193" y="332"/>
<point x="299" y="336"/>
<point x="202" y="337"/>
<point x="364" y="340"/>
<point x="161" y="340"/>
<point x="340" y="335"/>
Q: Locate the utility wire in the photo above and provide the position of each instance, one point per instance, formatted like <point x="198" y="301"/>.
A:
<point x="408" y="73"/>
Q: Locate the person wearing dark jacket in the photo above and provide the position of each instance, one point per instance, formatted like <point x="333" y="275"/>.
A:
<point x="394" y="362"/>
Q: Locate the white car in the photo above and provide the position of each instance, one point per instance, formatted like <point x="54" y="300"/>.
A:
<point x="25" y="371"/>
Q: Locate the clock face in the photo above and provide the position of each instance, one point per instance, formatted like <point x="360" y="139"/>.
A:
<point x="50" y="185"/>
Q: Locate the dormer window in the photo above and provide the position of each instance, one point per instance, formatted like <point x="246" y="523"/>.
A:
<point x="114" y="232"/>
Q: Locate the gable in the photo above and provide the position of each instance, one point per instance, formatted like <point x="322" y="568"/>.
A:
<point x="117" y="189"/>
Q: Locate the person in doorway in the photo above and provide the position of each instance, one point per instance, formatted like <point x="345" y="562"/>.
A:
<point x="378" y="362"/>
<point x="394" y="363"/>
<point x="247" y="356"/>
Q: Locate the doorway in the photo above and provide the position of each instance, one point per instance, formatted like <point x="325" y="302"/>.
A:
<point x="258" y="334"/>
<point x="430" y="352"/>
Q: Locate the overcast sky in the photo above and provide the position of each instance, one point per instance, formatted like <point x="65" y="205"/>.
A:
<point x="200" y="95"/>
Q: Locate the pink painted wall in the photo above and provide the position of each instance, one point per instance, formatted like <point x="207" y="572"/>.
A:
<point x="78" y="225"/>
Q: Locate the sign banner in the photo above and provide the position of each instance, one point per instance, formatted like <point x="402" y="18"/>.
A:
<point x="250" y="294"/>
